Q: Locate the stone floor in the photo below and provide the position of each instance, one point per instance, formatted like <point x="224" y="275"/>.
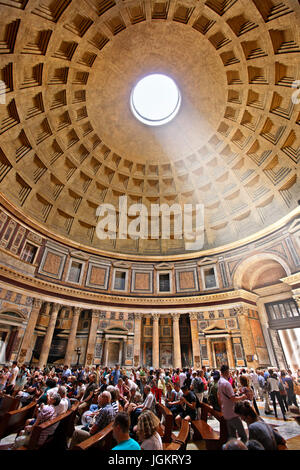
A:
<point x="289" y="430"/>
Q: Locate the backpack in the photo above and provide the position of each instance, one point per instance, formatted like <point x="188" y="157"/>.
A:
<point x="198" y="385"/>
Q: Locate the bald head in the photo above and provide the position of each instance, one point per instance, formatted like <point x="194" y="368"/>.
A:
<point x="105" y="398"/>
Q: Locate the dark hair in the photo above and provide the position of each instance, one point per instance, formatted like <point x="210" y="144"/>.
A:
<point x="51" y="383"/>
<point x="244" y="408"/>
<point x="254" y="445"/>
<point x="244" y="381"/>
<point x="185" y="387"/>
<point x="123" y="420"/>
<point x="224" y="368"/>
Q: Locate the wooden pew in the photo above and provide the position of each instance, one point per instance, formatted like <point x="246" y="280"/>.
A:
<point x="165" y="429"/>
<point x="58" y="439"/>
<point x="213" y="439"/>
<point x="13" y="421"/>
<point x="8" y="403"/>
<point x="179" y="442"/>
<point x="104" y="437"/>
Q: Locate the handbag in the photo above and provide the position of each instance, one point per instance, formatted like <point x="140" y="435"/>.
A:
<point x="282" y="389"/>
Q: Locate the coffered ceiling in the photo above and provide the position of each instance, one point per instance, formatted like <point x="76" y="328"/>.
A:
<point x="69" y="142"/>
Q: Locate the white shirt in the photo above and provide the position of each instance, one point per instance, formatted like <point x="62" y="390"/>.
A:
<point x="132" y="385"/>
<point x="14" y="373"/>
<point x="62" y="407"/>
<point x="148" y="403"/>
<point x="152" y="443"/>
<point x="182" y="377"/>
<point x="51" y="391"/>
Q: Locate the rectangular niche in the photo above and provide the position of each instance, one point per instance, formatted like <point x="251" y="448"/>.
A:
<point x="120" y="280"/>
<point x="164" y="282"/>
<point x="209" y="277"/>
<point x="75" y="272"/>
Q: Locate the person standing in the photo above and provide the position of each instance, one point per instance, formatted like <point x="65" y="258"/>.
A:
<point x="116" y="374"/>
<point x="227" y="400"/>
<point x="273" y="388"/>
<point x="12" y="378"/>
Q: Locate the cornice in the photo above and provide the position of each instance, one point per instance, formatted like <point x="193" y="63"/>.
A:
<point x="59" y="292"/>
<point x="292" y="280"/>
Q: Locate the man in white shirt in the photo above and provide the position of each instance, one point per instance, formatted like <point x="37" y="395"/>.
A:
<point x="182" y="378"/>
<point x="12" y="379"/>
<point x="227" y="400"/>
<point x="255" y="384"/>
<point x="64" y="402"/>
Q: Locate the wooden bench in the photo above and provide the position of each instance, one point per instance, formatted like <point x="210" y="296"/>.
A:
<point x="102" y="438"/>
<point x="8" y="403"/>
<point x="13" y="421"/>
<point x="58" y="439"/>
<point x="179" y="442"/>
<point x="202" y="431"/>
<point x="165" y="430"/>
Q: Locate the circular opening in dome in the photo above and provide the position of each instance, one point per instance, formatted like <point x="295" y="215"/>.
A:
<point x="155" y="100"/>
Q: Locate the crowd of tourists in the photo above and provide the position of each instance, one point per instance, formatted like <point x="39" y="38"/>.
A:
<point x="128" y="398"/>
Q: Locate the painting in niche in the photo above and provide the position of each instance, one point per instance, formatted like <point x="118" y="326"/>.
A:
<point x="148" y="354"/>
<point x="166" y="355"/>
<point x="221" y="354"/>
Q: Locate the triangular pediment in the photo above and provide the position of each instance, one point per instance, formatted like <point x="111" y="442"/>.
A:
<point x="122" y="264"/>
<point x="295" y="226"/>
<point x="215" y="329"/>
<point x="162" y="266"/>
<point x="79" y="255"/>
<point x="206" y="260"/>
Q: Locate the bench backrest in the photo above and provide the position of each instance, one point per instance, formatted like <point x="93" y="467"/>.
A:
<point x="207" y="409"/>
<point x="8" y="403"/>
<point x="105" y="437"/>
<point x="60" y="423"/>
<point x="183" y="435"/>
<point x="14" y="421"/>
<point x="168" y="424"/>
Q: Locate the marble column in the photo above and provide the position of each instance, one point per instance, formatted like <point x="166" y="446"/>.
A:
<point x="246" y="333"/>
<point x="230" y="353"/>
<point x="137" y="339"/>
<point x="209" y="352"/>
<point x="176" y="341"/>
<point x="90" y="350"/>
<point x="29" y="332"/>
<point x="48" y="336"/>
<point x="195" y="340"/>
<point x="155" y="339"/>
<point x="72" y="336"/>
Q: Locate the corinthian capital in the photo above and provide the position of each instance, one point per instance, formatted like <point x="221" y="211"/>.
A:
<point x="241" y="310"/>
<point x="95" y="314"/>
<point x="155" y="316"/>
<point x="175" y="316"/>
<point x="37" y="303"/>
<point x="193" y="315"/>
<point x="76" y="310"/>
<point x="138" y="316"/>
